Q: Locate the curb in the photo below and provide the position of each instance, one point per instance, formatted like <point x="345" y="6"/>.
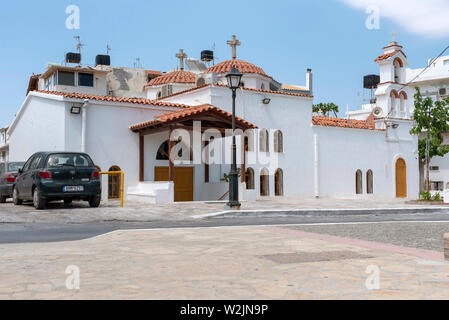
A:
<point x="319" y="212"/>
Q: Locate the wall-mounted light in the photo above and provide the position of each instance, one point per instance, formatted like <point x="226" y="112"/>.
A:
<point x="75" y="110"/>
<point x="266" y="101"/>
<point x="395" y="126"/>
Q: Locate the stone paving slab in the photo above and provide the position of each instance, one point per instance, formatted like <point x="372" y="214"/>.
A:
<point x="80" y="212"/>
<point x="216" y="263"/>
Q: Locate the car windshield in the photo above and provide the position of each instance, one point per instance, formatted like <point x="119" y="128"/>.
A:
<point x="15" y="166"/>
<point x="68" y="160"/>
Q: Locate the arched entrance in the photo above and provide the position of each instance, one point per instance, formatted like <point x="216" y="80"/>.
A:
<point x="114" y="183"/>
<point x="401" y="178"/>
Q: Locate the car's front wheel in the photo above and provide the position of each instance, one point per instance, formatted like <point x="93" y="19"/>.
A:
<point x="94" y="201"/>
<point x="2" y="199"/>
<point x="38" y="201"/>
<point x="15" y="197"/>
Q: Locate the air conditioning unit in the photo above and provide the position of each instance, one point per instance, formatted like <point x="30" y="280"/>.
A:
<point x="443" y="91"/>
<point x="378" y="112"/>
<point x="167" y="90"/>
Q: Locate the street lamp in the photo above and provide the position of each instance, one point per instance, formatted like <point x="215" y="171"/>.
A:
<point x="234" y="80"/>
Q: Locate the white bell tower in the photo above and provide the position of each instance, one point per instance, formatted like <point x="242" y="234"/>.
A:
<point x="393" y="94"/>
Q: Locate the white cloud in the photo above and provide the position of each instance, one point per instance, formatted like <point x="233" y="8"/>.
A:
<point x="428" y="18"/>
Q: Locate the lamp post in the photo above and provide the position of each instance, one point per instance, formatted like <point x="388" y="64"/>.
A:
<point x="234" y="80"/>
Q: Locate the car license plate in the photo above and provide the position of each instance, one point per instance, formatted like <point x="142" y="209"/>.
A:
<point x="73" y="189"/>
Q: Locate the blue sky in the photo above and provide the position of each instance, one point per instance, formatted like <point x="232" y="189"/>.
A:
<point x="284" y="37"/>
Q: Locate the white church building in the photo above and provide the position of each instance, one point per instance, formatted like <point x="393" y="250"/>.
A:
<point x="130" y="120"/>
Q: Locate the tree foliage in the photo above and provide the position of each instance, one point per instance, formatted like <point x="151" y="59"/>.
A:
<point x="326" y="109"/>
<point x="432" y="118"/>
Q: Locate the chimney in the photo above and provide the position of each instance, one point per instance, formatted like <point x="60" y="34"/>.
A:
<point x="309" y="81"/>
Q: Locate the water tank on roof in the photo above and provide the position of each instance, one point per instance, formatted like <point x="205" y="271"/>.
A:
<point x="103" y="60"/>
<point x="207" y="55"/>
<point x="371" y="81"/>
<point x="73" y="57"/>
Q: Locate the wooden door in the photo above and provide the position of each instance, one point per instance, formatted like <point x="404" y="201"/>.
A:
<point x="401" y="178"/>
<point x="183" y="181"/>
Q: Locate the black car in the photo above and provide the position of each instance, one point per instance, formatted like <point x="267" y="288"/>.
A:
<point x="7" y="179"/>
<point x="50" y="176"/>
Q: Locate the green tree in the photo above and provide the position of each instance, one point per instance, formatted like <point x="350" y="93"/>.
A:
<point x="326" y="108"/>
<point x="431" y="120"/>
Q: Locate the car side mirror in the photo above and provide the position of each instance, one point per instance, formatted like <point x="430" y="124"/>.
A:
<point x="20" y="171"/>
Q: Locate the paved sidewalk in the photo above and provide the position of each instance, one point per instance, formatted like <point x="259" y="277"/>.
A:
<point x="110" y="211"/>
<point x="221" y="263"/>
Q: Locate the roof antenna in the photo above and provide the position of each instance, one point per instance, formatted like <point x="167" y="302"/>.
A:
<point x="108" y="49"/>
<point x="79" y="45"/>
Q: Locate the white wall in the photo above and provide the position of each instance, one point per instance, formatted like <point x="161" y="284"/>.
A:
<point x="41" y="128"/>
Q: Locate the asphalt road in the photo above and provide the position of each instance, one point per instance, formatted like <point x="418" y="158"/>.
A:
<point x="415" y="229"/>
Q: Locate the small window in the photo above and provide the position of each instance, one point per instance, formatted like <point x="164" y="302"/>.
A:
<point x="278" y="141"/>
<point x="434" y="168"/>
<point x="264" y="144"/>
<point x="437" y="185"/>
<point x="279" y="183"/>
<point x="358" y="182"/>
<point x="264" y="184"/>
<point x="369" y="182"/>
<point x="86" y="80"/>
<point x="66" y="78"/>
<point x="249" y="179"/>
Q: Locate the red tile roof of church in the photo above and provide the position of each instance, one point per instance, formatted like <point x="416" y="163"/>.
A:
<point x="185" y="113"/>
<point x="141" y="101"/>
<point x="242" y="65"/>
<point x="387" y="55"/>
<point x="180" y="76"/>
<point x="367" y="124"/>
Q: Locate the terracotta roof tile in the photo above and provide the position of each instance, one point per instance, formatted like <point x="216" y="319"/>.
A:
<point x="367" y="124"/>
<point x="180" y="76"/>
<point x="244" y="88"/>
<point x="241" y="65"/>
<point x="140" y="101"/>
<point x="387" y="55"/>
<point x="185" y="113"/>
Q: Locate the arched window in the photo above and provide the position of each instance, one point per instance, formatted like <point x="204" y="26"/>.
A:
<point x="369" y="182"/>
<point x="263" y="137"/>
<point x="249" y="177"/>
<point x="114" y="181"/>
<point x="163" y="152"/>
<point x="264" y="183"/>
<point x="358" y="182"/>
<point x="403" y="101"/>
<point x="278" y="141"/>
<point x="397" y="65"/>
<point x="248" y="140"/>
<point x="159" y="94"/>
<point x="393" y="97"/>
<point x="262" y="87"/>
<point x="279" y="183"/>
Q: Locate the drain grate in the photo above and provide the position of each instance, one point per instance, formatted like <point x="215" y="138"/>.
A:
<point x="303" y="257"/>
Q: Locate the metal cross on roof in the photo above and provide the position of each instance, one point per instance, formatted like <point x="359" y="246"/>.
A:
<point x="181" y="56"/>
<point x="393" y="34"/>
<point x="234" y="43"/>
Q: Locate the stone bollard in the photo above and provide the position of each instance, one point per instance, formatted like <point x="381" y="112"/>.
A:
<point x="446" y="246"/>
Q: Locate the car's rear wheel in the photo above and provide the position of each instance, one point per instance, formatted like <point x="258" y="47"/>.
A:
<point x="94" y="201"/>
<point x="2" y="199"/>
<point x="38" y="201"/>
<point x="15" y="197"/>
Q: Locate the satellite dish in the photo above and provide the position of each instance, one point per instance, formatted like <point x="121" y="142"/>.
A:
<point x="378" y="111"/>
